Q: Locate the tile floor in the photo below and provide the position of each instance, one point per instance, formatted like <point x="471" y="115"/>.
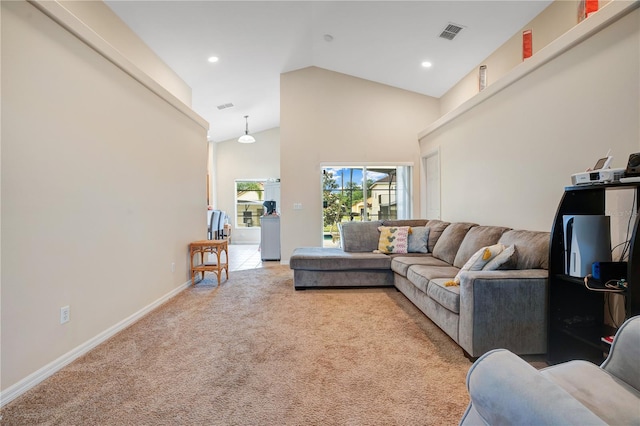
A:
<point x="241" y="257"/>
<point x="244" y="256"/>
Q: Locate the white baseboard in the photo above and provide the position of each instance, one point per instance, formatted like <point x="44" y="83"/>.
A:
<point x="14" y="391"/>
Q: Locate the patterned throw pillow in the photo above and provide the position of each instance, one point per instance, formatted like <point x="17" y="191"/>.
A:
<point x="478" y="261"/>
<point x="418" y="239"/>
<point x="393" y="239"/>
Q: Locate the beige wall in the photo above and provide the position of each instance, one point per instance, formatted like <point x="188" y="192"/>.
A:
<point x="103" y="187"/>
<point x="234" y="160"/>
<point x="511" y="156"/>
<point x="551" y="23"/>
<point x="101" y="19"/>
<point x="328" y="117"/>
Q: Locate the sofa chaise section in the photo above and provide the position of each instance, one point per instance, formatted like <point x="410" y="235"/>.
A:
<point x="354" y="264"/>
<point x="317" y="267"/>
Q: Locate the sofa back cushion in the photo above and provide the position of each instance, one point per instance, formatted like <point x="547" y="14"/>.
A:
<point x="476" y="238"/>
<point x="404" y="222"/>
<point x="449" y="242"/>
<point x="359" y="237"/>
<point x="532" y="248"/>
<point x="436" y="227"/>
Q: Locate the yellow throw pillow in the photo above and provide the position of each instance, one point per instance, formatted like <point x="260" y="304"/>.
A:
<point x="393" y="239"/>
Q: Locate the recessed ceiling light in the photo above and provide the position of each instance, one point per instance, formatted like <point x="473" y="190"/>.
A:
<point x="427" y="64"/>
<point x="213" y="59"/>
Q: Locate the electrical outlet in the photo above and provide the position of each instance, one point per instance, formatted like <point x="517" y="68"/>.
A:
<point x="173" y="266"/>
<point x="64" y="314"/>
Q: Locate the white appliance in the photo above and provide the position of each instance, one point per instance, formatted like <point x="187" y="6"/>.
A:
<point x="587" y="239"/>
<point x="270" y="237"/>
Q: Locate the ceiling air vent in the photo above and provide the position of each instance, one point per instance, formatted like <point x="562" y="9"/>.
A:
<point x="225" y="106"/>
<point x="451" y="31"/>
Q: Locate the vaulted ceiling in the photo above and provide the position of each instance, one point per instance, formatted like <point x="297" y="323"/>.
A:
<point x="256" y="41"/>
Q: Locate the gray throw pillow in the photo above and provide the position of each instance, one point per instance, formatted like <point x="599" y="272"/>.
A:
<point x="508" y="259"/>
<point x="418" y="239"/>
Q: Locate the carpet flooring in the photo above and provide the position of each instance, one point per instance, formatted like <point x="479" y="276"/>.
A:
<point x="253" y="351"/>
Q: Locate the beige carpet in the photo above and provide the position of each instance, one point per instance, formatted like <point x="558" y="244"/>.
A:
<point x="255" y="352"/>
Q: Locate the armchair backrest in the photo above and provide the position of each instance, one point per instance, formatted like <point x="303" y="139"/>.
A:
<point x="220" y="225"/>
<point x="624" y="357"/>
<point x="213" y="225"/>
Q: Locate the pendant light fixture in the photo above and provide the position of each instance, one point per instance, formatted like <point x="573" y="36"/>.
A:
<point x="246" y="138"/>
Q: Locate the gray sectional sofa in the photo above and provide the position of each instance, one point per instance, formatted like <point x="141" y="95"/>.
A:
<point x="489" y="309"/>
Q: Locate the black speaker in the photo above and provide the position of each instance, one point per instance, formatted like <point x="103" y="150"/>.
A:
<point x="633" y="166"/>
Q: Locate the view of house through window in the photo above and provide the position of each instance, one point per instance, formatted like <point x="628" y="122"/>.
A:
<point x="249" y="199"/>
<point x="364" y="194"/>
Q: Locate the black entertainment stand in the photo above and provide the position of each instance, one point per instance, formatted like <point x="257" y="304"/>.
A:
<point x="576" y="314"/>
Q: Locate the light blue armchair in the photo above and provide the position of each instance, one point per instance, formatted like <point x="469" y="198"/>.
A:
<point x="505" y="390"/>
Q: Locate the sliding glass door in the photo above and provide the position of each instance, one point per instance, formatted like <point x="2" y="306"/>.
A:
<point x="363" y="193"/>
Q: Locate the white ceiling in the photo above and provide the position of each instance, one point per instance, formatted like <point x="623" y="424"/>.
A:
<point x="256" y="41"/>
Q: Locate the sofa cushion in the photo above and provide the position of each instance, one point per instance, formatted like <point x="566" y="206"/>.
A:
<point x="436" y="227"/>
<point x="394" y="255"/>
<point x="393" y="239"/>
<point x="608" y="397"/>
<point x="418" y="239"/>
<point x="476" y="238"/>
<point x="420" y="275"/>
<point x="404" y="222"/>
<point x="401" y="264"/>
<point x="360" y="236"/>
<point x="334" y="259"/>
<point x="449" y="242"/>
<point x="532" y="248"/>
<point x="446" y="296"/>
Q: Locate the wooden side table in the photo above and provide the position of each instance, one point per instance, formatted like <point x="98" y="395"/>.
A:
<point x="205" y="247"/>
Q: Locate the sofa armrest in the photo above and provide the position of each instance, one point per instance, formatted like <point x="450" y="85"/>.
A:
<point x="507" y="274"/>
<point x="622" y="361"/>
<point x="504" y="389"/>
<point x="503" y="309"/>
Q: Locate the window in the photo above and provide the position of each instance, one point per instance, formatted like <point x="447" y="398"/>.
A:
<point x="249" y="199"/>
<point x="363" y="193"/>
